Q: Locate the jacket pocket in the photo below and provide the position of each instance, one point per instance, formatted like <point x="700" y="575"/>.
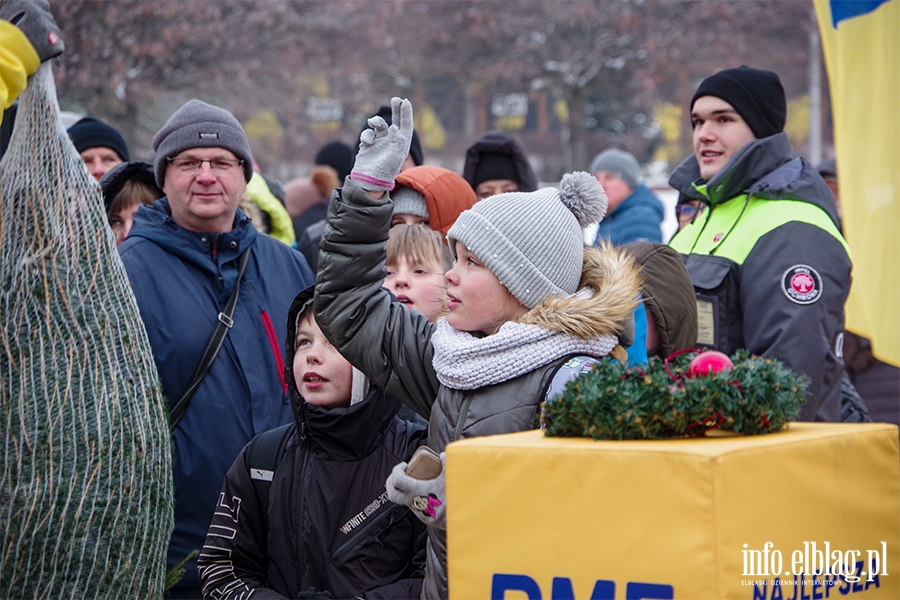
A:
<point x="371" y="530"/>
<point x="720" y="323"/>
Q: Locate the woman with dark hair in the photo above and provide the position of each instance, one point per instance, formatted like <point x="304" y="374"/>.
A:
<point x="125" y="188"/>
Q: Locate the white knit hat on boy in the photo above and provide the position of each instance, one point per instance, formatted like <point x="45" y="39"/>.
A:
<point x="533" y="241"/>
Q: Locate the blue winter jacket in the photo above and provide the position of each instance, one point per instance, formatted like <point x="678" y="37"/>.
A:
<point x="636" y="219"/>
<point x="182" y="280"/>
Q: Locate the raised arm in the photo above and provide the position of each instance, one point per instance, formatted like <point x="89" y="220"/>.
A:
<point x="379" y="336"/>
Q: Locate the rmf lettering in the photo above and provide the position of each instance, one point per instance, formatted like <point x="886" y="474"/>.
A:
<point x="561" y="589"/>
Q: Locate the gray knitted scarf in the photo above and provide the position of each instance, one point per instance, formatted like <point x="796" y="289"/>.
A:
<point x="465" y="362"/>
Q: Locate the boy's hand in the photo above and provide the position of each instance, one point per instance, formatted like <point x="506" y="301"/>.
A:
<point x="383" y="149"/>
<point x="33" y="17"/>
<point x="426" y="497"/>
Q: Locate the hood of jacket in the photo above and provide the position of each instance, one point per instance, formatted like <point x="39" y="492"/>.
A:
<point x="446" y="194"/>
<point x="348" y="433"/>
<point x="155" y="223"/>
<point x="668" y="295"/>
<point x="641" y="197"/>
<point x="608" y="293"/>
<point x="763" y="168"/>
<point x="497" y="142"/>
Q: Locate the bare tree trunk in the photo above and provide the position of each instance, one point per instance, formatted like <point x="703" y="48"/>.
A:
<point x="578" y="159"/>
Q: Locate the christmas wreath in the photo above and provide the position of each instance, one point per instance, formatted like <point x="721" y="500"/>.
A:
<point x="686" y="395"/>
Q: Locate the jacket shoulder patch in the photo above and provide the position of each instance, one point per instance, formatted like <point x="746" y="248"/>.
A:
<point x="802" y="284"/>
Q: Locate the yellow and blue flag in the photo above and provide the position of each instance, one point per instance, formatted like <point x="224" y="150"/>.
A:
<point x="861" y="42"/>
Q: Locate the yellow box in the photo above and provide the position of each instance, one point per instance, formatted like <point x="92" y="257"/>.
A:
<point x="535" y="517"/>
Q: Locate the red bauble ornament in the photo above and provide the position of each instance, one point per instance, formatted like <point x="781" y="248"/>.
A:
<point x="708" y="362"/>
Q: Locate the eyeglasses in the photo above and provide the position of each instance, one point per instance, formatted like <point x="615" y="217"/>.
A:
<point x="216" y="164"/>
<point x="686" y="212"/>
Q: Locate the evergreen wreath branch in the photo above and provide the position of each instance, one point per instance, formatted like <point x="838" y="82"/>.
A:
<point x="660" y="401"/>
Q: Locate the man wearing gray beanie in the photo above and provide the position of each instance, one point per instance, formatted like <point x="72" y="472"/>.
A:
<point x="770" y="268"/>
<point x="635" y="212"/>
<point x="188" y="257"/>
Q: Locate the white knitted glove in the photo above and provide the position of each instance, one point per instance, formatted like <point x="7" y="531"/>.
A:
<point x="383" y="149"/>
<point x="426" y="497"/>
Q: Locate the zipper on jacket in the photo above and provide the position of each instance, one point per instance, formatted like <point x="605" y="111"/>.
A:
<point x="357" y="537"/>
<point x="463" y="411"/>
<point x="298" y="517"/>
<point x="273" y="341"/>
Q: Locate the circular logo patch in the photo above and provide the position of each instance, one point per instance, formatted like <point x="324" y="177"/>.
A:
<point x="802" y="284"/>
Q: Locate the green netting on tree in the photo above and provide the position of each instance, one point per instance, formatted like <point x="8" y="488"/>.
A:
<point x="85" y="486"/>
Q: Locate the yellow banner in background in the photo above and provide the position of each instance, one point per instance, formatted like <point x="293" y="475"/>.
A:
<point x="861" y="42"/>
<point x="797" y="515"/>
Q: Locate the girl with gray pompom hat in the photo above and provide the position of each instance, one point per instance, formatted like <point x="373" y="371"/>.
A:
<point x="525" y="297"/>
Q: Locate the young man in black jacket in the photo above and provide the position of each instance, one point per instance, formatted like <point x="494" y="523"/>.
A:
<point x="770" y="268"/>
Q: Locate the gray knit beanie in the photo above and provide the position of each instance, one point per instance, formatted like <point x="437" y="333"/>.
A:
<point x="200" y="125"/>
<point x="533" y="241"/>
<point x="620" y="163"/>
<point x="408" y="201"/>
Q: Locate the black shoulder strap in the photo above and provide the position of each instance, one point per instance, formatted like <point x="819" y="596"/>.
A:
<point x="264" y="454"/>
<point x="551" y="374"/>
<point x="416" y="435"/>
<point x="215" y="342"/>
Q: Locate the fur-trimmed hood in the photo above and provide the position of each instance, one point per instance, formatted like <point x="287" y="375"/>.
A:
<point x="613" y="277"/>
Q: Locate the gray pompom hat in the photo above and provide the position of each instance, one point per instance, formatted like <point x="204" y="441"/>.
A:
<point x="200" y="125"/>
<point x="534" y="241"/>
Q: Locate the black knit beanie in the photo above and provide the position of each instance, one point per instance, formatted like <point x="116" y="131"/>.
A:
<point x="415" y="146"/>
<point x="756" y="94"/>
<point x="91" y="133"/>
<point x="495" y="166"/>
<point x="338" y="156"/>
<point x="115" y="179"/>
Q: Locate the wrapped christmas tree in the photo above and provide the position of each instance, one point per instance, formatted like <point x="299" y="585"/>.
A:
<point x="85" y="485"/>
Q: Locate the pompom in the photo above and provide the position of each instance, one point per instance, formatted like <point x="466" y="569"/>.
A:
<point x="584" y="196"/>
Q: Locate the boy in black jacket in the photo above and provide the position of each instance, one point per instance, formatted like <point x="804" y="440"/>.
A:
<point x="331" y="530"/>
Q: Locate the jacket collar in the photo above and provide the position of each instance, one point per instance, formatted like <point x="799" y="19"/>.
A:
<point x="348" y="433"/>
<point x="764" y="168"/>
<point x="155" y="223"/>
<point x="752" y="162"/>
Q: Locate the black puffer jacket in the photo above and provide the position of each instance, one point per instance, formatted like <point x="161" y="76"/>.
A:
<point x="331" y="526"/>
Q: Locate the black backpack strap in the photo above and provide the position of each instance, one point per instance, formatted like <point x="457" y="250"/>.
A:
<point x="557" y="377"/>
<point x="416" y="435"/>
<point x="264" y="454"/>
